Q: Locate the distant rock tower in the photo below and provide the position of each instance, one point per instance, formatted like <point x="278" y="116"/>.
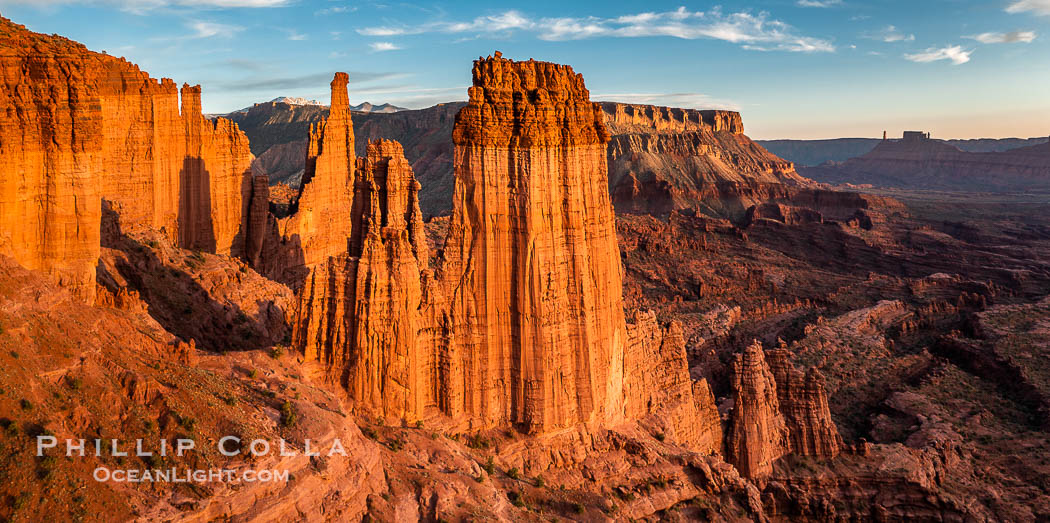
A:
<point x="884" y="136"/>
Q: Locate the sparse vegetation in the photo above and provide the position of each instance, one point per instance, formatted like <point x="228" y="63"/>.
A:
<point x="540" y="483"/>
<point x="516" y="499"/>
<point x="512" y="473"/>
<point x="489" y="466"/>
<point x="25" y="404"/>
<point x="578" y="508"/>
<point x="276" y="352"/>
<point x="187" y="422"/>
<point x="10" y="427"/>
<point x="289" y="415"/>
<point x="254" y="373"/>
<point x="20" y="501"/>
<point x="478" y="442"/>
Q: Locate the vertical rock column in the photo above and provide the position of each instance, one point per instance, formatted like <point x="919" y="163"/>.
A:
<point x="804" y="404"/>
<point x="532" y="270"/>
<point x="757" y="435"/>
<point x="322" y="219"/>
<point x="360" y="313"/>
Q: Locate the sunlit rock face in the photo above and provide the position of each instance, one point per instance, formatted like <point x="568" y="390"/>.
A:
<point x="83" y="127"/>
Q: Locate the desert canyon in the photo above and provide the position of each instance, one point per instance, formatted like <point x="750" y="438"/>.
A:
<point x="530" y="306"/>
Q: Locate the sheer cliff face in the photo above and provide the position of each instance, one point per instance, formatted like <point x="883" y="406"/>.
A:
<point x="51" y="152"/>
<point x="361" y="313"/>
<point x="523" y="327"/>
<point x="804" y="402"/>
<point x="757" y="435"/>
<point x="532" y="268"/>
<point x="621" y="118"/>
<point x="321" y="223"/>
<point x="83" y="126"/>
<point x="777" y="410"/>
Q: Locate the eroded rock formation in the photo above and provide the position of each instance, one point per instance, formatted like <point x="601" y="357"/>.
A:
<point x="656" y="380"/>
<point x="83" y="126"/>
<point x="532" y="269"/>
<point x="777" y="410"/>
<point x="361" y="313"/>
<point x="757" y="434"/>
<point x="523" y="326"/>
<point x="803" y="401"/>
<point x="320" y="223"/>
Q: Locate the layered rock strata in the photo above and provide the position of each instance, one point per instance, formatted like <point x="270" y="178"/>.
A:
<point x="757" y="434"/>
<point x="803" y="401"/>
<point x="919" y="162"/>
<point x="82" y="126"/>
<point x="621" y="118"/>
<point x="361" y="313"/>
<point x="532" y="269"/>
<point x="523" y="326"/>
<point x="320" y="223"/>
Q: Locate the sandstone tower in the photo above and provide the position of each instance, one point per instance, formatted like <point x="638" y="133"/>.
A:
<point x="533" y="271"/>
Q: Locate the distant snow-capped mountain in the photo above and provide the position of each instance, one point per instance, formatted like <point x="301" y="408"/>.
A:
<point x="365" y="107"/>
<point x="369" y="108"/>
<point x="291" y="100"/>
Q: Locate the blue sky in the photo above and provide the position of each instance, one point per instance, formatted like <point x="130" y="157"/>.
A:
<point x="794" y="68"/>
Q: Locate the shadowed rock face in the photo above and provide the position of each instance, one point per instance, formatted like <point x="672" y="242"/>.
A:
<point x="803" y="401"/>
<point x="87" y="127"/>
<point x="757" y="435"/>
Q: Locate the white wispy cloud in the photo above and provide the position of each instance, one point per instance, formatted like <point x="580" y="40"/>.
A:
<point x="209" y="29"/>
<point x="955" y="53"/>
<point x="142" y="6"/>
<point x="1005" y="38"/>
<point x="753" y="31"/>
<point x="1040" y="7"/>
<point x="334" y="10"/>
<point x="890" y="34"/>
<point x="383" y="46"/>
<point x="818" y="3"/>
<point x="295" y="35"/>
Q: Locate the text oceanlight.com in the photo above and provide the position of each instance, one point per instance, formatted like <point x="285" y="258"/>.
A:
<point x="174" y="475"/>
